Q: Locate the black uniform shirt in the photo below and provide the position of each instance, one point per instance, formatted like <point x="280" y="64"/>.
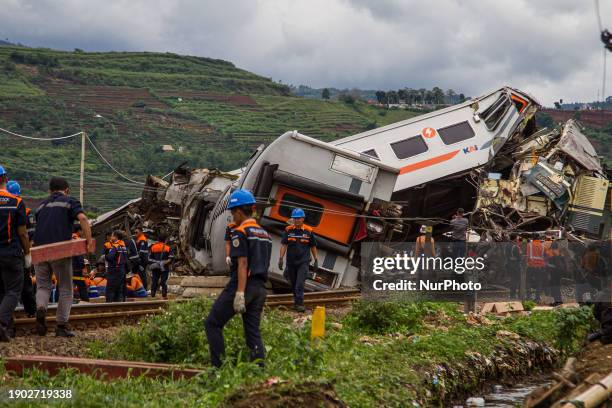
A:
<point x="12" y="215"/>
<point x="55" y="218"/>
<point x="253" y="242"/>
<point x="298" y="241"/>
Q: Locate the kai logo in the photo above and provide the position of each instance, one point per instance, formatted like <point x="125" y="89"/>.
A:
<point x="470" y="149"/>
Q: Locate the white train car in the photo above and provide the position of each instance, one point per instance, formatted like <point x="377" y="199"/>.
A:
<point x="448" y="141"/>
<point x="333" y="185"/>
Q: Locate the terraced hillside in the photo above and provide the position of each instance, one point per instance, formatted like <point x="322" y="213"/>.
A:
<point x="130" y="104"/>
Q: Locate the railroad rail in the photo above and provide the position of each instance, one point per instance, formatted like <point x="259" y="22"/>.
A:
<point x="85" y="316"/>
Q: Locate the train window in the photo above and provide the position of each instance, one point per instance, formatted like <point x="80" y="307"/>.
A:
<point x="372" y="153"/>
<point x="314" y="211"/>
<point x="494" y="114"/>
<point x="409" y="147"/>
<point x="456" y="133"/>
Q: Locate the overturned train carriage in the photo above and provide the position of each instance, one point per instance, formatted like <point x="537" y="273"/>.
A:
<point x="337" y="188"/>
<point x="438" y="153"/>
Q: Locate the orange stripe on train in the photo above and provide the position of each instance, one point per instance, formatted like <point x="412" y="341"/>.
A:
<point x="429" y="162"/>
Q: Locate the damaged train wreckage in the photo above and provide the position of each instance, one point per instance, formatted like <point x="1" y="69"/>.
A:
<point x="485" y="155"/>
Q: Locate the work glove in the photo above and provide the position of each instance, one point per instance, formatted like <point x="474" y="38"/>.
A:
<point x="239" y="306"/>
<point x="280" y="263"/>
<point x="316" y="265"/>
<point x="228" y="261"/>
<point x="27" y="260"/>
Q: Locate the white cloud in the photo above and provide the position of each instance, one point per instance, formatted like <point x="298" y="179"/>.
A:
<point x="549" y="48"/>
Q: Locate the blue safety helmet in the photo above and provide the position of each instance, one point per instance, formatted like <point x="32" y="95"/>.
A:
<point x="2" y="171"/>
<point x="13" y="187"/>
<point x="240" y="198"/>
<point x="298" y="213"/>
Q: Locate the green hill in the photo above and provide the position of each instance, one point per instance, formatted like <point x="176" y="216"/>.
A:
<point x="130" y="104"/>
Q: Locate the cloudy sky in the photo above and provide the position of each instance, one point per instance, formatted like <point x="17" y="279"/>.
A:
<point x="549" y="48"/>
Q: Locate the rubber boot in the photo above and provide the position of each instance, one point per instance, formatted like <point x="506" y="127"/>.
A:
<point x="41" y="322"/>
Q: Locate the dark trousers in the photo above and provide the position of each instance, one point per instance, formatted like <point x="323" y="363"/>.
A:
<point x="28" y="298"/>
<point x="156" y="278"/>
<point x="11" y="276"/>
<point x="296" y="275"/>
<point x="223" y="310"/>
<point x="141" y="272"/>
<point x="82" y="290"/>
<point x="114" y="291"/>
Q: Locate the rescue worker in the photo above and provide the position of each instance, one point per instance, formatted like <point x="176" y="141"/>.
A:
<point x="160" y="257"/>
<point x="14" y="253"/>
<point x="245" y="292"/>
<point x="536" y="265"/>
<point x="133" y="255"/>
<point x="228" y="238"/>
<point x="425" y="243"/>
<point x="513" y="254"/>
<point x="115" y="271"/>
<point x="79" y="270"/>
<point x="142" y="243"/>
<point x="459" y="226"/>
<point x="602" y="311"/>
<point x="555" y="268"/>
<point x="592" y="265"/>
<point x="134" y="286"/>
<point x="54" y="220"/>
<point x="298" y="242"/>
<point x="27" y="292"/>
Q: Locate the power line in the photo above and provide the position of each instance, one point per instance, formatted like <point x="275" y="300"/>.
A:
<point x="40" y="138"/>
<point x="598" y="14"/>
<point x="108" y="163"/>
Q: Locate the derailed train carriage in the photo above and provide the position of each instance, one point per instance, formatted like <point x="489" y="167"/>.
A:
<point x="485" y="155"/>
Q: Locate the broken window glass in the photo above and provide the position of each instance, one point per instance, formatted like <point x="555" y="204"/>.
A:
<point x="371" y="153"/>
<point x="409" y="147"/>
<point x="314" y="211"/>
<point x="494" y="114"/>
<point x="456" y="133"/>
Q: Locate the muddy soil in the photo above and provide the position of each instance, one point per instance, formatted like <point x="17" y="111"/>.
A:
<point x="596" y="358"/>
<point x="50" y="345"/>
<point x="285" y="395"/>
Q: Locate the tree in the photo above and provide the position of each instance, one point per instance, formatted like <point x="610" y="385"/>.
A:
<point x="325" y="93"/>
<point x="381" y="96"/>
<point x="392" y="97"/>
<point x="402" y="95"/>
<point x="461" y="98"/>
<point x="451" y="96"/>
<point x="437" y="95"/>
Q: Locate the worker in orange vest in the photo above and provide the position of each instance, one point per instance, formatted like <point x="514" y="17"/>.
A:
<point x="160" y="258"/>
<point x="134" y="286"/>
<point x="425" y="244"/>
<point x="536" y="264"/>
<point x="555" y="265"/>
<point x="142" y="243"/>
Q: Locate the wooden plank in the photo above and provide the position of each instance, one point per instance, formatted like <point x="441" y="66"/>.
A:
<point x="99" y="368"/>
<point x="59" y="250"/>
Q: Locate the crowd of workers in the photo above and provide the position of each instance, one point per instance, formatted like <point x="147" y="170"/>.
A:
<point x="128" y="259"/>
<point x="121" y="272"/>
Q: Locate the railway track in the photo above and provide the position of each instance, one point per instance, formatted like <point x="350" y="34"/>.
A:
<point x="91" y="316"/>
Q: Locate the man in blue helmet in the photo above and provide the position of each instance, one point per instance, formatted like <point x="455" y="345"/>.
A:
<point x="14" y="253"/>
<point x="27" y="292"/>
<point x="245" y="293"/>
<point x="298" y="243"/>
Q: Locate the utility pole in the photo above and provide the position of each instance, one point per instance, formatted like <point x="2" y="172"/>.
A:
<point x="82" y="183"/>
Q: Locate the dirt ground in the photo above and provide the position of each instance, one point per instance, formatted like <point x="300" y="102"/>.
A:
<point x="596" y="358"/>
<point x="281" y="395"/>
<point x="55" y="346"/>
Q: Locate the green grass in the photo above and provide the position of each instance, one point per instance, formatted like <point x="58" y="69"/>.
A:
<point x="422" y="352"/>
